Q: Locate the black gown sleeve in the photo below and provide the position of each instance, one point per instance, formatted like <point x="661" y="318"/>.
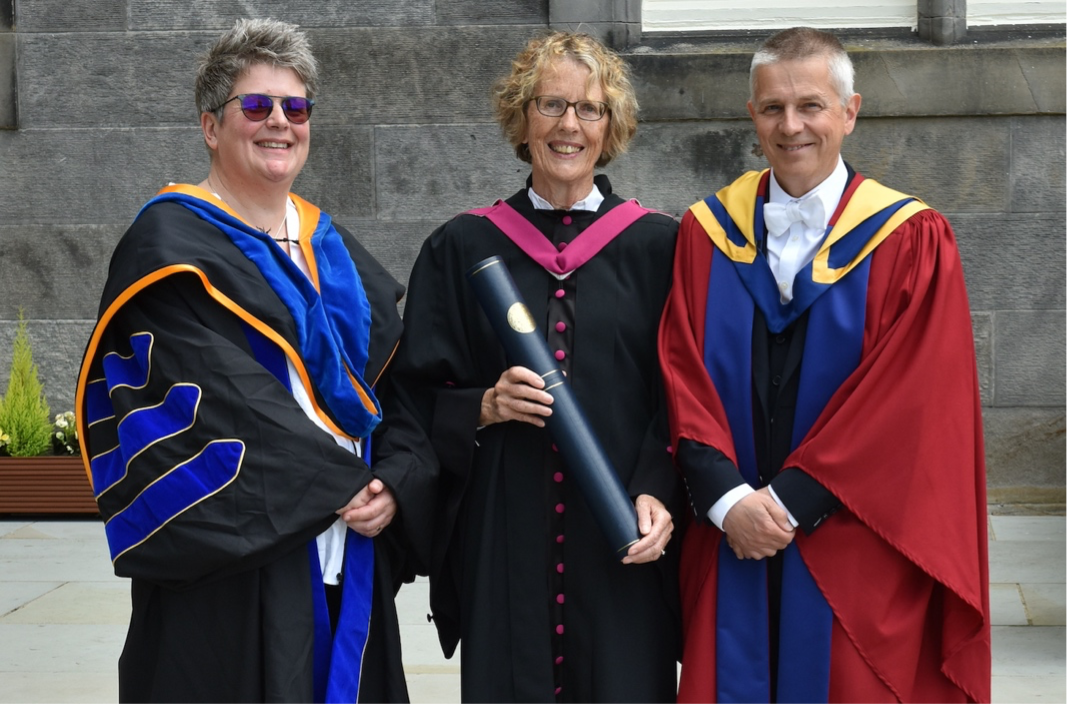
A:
<point x="291" y="478"/>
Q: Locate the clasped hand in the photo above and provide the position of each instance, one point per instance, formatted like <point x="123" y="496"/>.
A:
<point x="757" y="527"/>
<point x="371" y="510"/>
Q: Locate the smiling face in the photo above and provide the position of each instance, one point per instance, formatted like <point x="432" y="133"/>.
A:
<point x="800" y="121"/>
<point x="564" y="150"/>
<point x="253" y="155"/>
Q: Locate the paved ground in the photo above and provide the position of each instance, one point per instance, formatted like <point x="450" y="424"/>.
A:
<point x="63" y="616"/>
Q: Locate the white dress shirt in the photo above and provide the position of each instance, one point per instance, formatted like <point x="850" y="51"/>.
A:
<point x="331" y="543"/>
<point x="791" y="251"/>
<point x="591" y="202"/>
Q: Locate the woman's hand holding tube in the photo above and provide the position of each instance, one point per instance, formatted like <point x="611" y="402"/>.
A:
<point x="517" y="395"/>
<point x="655" y="525"/>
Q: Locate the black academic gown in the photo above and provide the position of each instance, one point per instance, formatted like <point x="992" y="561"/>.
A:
<point x="222" y="594"/>
<point x="522" y="576"/>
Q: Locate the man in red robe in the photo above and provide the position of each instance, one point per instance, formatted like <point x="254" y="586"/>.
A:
<point x="818" y="354"/>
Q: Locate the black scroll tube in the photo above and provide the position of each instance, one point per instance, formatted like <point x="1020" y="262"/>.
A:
<point x="525" y="345"/>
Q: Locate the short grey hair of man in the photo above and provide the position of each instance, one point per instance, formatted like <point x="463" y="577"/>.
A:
<point x="804" y="43"/>
<point x="247" y="43"/>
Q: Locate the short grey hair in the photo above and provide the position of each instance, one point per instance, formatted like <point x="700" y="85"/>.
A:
<point x="247" y="43"/>
<point x="804" y="43"/>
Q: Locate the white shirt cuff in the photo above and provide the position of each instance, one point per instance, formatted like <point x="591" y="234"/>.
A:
<point x="723" y="505"/>
<point x="794" y="521"/>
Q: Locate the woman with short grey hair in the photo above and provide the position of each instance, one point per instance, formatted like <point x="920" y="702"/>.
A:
<point x="229" y="404"/>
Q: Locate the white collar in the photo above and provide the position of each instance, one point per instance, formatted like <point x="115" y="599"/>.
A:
<point x="591" y="202"/>
<point x="830" y="190"/>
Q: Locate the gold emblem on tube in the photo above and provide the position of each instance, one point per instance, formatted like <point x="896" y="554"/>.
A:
<point x="519" y="318"/>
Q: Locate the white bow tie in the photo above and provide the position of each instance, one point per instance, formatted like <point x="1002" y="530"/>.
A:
<point x="779" y="217"/>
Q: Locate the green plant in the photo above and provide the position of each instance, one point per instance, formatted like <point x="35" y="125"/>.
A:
<point x="24" y="413"/>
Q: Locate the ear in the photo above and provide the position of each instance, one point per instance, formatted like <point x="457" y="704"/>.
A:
<point x="750" y="108"/>
<point x="209" y="126"/>
<point x="853" y="107"/>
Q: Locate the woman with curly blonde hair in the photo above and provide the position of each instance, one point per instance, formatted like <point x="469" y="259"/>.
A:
<point x="522" y="576"/>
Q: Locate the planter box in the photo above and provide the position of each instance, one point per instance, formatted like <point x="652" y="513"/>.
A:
<point x="45" y="485"/>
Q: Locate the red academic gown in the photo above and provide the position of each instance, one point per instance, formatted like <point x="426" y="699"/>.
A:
<point x="903" y="565"/>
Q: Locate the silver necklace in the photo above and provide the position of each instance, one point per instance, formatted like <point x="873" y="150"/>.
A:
<point x="278" y="230"/>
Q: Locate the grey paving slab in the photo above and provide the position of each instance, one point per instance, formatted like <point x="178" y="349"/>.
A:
<point x="1028" y="528"/>
<point x="72" y="687"/>
<point x="77" y="603"/>
<point x="413" y="603"/>
<point x="57" y="649"/>
<point x="1028" y="651"/>
<point x="1027" y="561"/>
<point x="14" y="595"/>
<point x="1028" y="689"/>
<point x="1045" y="603"/>
<point x="47" y="559"/>
<point x="88" y="530"/>
<point x="1007" y="605"/>
<point x="7" y="527"/>
<point x="420" y="647"/>
<point x="434" y="688"/>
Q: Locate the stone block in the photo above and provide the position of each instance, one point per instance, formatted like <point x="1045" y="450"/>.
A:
<point x="65" y="16"/>
<point x="941" y="8"/>
<point x="338" y="176"/>
<point x="692" y="81"/>
<point x="1030" y="358"/>
<point x="467" y="12"/>
<point x="369" y="76"/>
<point x="615" y="35"/>
<point x="699" y="86"/>
<point x="7" y="15"/>
<point x="93" y="176"/>
<point x="673" y="165"/>
<point x="1037" y="168"/>
<point x="221" y="14"/>
<point x="581" y="12"/>
<point x="1044" y="71"/>
<point x="54" y="272"/>
<point x="394" y="244"/>
<point x="105" y="176"/>
<point x="1025" y="450"/>
<point x="941" y="31"/>
<point x="8" y="93"/>
<point x="116" y="79"/>
<point x="982" y="333"/>
<point x="958" y="81"/>
<point x="1002" y="254"/>
<point x="953" y="164"/>
<point x="435" y="172"/>
<point x="58" y="346"/>
<point x="413" y="75"/>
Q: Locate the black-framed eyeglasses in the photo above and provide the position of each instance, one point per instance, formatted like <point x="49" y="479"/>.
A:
<point x="258" y="106"/>
<point x="555" y="107"/>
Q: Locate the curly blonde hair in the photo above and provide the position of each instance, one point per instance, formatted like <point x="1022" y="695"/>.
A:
<point x="511" y="94"/>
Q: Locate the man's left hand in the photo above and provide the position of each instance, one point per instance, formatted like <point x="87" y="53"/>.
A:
<point x="655" y="526"/>
<point x="371" y="510"/>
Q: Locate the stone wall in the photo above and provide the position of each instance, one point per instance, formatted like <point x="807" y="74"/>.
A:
<point x="97" y="99"/>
